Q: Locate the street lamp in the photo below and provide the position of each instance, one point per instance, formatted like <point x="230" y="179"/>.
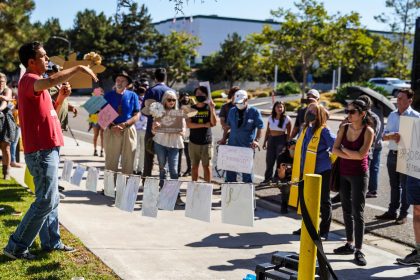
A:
<point x="63" y="39"/>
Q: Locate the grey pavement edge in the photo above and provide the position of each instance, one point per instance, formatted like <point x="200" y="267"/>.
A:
<point x="172" y="246"/>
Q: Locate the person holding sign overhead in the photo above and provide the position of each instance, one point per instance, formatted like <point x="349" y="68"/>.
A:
<point x="38" y="116"/>
<point x="245" y="124"/>
<point x="120" y="137"/>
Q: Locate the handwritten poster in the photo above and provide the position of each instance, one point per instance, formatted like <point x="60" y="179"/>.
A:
<point x="109" y="183"/>
<point x="94" y="104"/>
<point x="171" y="122"/>
<point x="106" y="116"/>
<point x="238" y="159"/>
<point x="67" y="169"/>
<point x="150" y="197"/>
<point x="198" y="205"/>
<point x="169" y="194"/>
<point x="238" y="204"/>
<point x="408" y="160"/>
<point x="76" y="179"/>
<point x="92" y="179"/>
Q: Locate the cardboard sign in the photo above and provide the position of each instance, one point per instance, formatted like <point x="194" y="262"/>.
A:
<point x="76" y="179"/>
<point x="67" y="169"/>
<point x="238" y="204"/>
<point x="129" y="194"/>
<point x="169" y="194"/>
<point x="120" y="186"/>
<point x="171" y="122"/>
<point x="198" y="205"/>
<point x="109" y="183"/>
<point x="29" y="180"/>
<point x="408" y="161"/>
<point x="150" y="197"/>
<point x="207" y="85"/>
<point x="94" y="104"/>
<point x="106" y="116"/>
<point x="92" y="179"/>
<point x="238" y="159"/>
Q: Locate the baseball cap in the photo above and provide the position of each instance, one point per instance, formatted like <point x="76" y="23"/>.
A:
<point x="314" y="93"/>
<point x="240" y="96"/>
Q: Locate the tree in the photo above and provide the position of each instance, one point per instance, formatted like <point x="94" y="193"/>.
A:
<point x="312" y="39"/>
<point x="235" y="61"/>
<point x="401" y="24"/>
<point x="174" y="52"/>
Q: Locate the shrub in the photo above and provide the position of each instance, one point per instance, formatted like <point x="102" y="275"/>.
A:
<point x="292" y="105"/>
<point x="217" y="93"/>
<point x="287" y="88"/>
<point x="263" y="94"/>
<point x="218" y="100"/>
<point x="335" y="105"/>
<point x="218" y="105"/>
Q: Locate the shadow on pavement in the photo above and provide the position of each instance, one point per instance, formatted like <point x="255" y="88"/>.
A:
<point x="243" y="263"/>
<point x="378" y="273"/>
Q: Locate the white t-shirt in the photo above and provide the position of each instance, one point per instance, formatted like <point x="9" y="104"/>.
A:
<point x="274" y="124"/>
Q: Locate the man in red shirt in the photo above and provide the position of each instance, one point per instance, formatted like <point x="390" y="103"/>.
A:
<point x="42" y="138"/>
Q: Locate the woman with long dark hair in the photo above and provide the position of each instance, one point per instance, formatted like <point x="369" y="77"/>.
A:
<point x="276" y="137"/>
<point x="352" y="147"/>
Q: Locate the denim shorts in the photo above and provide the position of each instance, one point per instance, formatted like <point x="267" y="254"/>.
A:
<point x="413" y="190"/>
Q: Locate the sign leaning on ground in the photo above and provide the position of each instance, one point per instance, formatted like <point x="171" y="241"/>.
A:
<point x="408" y="161"/>
<point x="238" y="159"/>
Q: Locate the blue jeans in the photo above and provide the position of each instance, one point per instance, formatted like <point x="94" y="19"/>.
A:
<point x="42" y="216"/>
<point x="167" y="155"/>
<point x="13" y="146"/>
<point x="374" y="166"/>
<point x="398" y="188"/>
<point x="231" y="176"/>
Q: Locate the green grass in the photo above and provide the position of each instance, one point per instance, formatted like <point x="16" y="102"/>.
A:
<point x="55" y="265"/>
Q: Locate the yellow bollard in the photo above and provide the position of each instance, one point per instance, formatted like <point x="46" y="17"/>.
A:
<point x="307" y="255"/>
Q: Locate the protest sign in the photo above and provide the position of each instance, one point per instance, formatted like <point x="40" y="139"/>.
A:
<point x="94" y="104"/>
<point x="78" y="175"/>
<point x="408" y="160"/>
<point x="198" y="205"/>
<point x="129" y="194"/>
<point x="171" y="122"/>
<point x="92" y="179"/>
<point x="238" y="204"/>
<point x="150" y="197"/>
<point x="29" y="180"/>
<point x="106" y="116"/>
<point x="238" y="159"/>
<point x="169" y="194"/>
<point x="109" y="183"/>
<point x="120" y="186"/>
<point x="67" y="169"/>
<point x="207" y="85"/>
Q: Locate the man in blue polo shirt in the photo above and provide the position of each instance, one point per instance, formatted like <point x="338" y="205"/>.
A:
<point x="245" y="124"/>
<point x="120" y="138"/>
<point x="156" y="92"/>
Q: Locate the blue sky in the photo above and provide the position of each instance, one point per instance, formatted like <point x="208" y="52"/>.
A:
<point x="66" y="10"/>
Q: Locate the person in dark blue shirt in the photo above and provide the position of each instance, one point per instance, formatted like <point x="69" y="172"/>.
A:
<point x="121" y="137"/>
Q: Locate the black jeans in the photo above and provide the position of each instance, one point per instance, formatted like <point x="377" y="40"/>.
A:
<point x="148" y="157"/>
<point x="398" y="189"/>
<point x="275" y="145"/>
<point x="352" y="193"/>
<point x="187" y="158"/>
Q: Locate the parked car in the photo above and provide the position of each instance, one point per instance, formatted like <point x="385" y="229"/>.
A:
<point x="391" y="85"/>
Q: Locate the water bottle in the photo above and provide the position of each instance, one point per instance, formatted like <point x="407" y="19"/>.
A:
<point x="250" y="277"/>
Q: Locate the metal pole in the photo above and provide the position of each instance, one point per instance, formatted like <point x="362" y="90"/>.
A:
<point x="339" y="76"/>
<point x="276" y="69"/>
<point x="333" y="80"/>
<point x="72" y="135"/>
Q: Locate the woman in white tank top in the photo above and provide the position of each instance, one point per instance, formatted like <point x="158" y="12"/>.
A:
<point x="276" y="137"/>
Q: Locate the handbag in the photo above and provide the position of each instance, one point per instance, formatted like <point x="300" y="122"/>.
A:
<point x="335" y="176"/>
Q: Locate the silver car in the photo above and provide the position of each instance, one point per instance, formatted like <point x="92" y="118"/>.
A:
<point x="391" y="85"/>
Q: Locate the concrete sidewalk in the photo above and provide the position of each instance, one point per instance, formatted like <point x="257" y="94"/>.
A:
<point x="175" y="247"/>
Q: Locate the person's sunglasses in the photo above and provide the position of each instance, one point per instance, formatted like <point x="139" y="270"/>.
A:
<point x="171" y="100"/>
<point x="351" y="112"/>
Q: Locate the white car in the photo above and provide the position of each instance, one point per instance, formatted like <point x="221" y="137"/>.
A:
<point x="391" y="85"/>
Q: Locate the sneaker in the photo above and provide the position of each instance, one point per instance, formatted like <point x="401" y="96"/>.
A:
<point x="186" y="173"/>
<point x="336" y="199"/>
<point x="401" y="220"/>
<point x="297" y="232"/>
<point x="347" y="249"/>
<point x="386" y="216"/>
<point x="102" y="153"/>
<point x="411" y="259"/>
<point x="62" y="248"/>
<point x="359" y="258"/>
<point x="95" y="153"/>
<point x="371" y="194"/>
<point x="179" y="202"/>
<point x="24" y="256"/>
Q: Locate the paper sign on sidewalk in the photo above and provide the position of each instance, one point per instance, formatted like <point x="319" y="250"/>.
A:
<point x="150" y="197"/>
<point x="106" y="116"/>
<point x="67" y="169"/>
<point x="76" y="179"/>
<point x="109" y="183"/>
<point x="238" y="159"/>
<point x="129" y="194"/>
<point x="238" y="204"/>
<point x="92" y="179"/>
<point x="120" y="186"/>
<point x="198" y="205"/>
<point x="169" y="194"/>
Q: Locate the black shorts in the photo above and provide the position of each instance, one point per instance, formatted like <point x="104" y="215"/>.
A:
<point x="413" y="190"/>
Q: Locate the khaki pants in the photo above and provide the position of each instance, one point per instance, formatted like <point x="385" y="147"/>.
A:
<point x="120" y="144"/>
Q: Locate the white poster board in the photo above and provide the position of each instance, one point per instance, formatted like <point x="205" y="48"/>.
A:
<point x="169" y="194"/>
<point x="207" y="85"/>
<point x="408" y="161"/>
<point x="67" y="169"/>
<point x="92" y="179"/>
<point x="238" y="204"/>
<point x="109" y="183"/>
<point x="238" y="159"/>
<point x="76" y="179"/>
<point x="129" y="194"/>
<point x="150" y="197"/>
<point x="198" y="205"/>
<point x="120" y="186"/>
